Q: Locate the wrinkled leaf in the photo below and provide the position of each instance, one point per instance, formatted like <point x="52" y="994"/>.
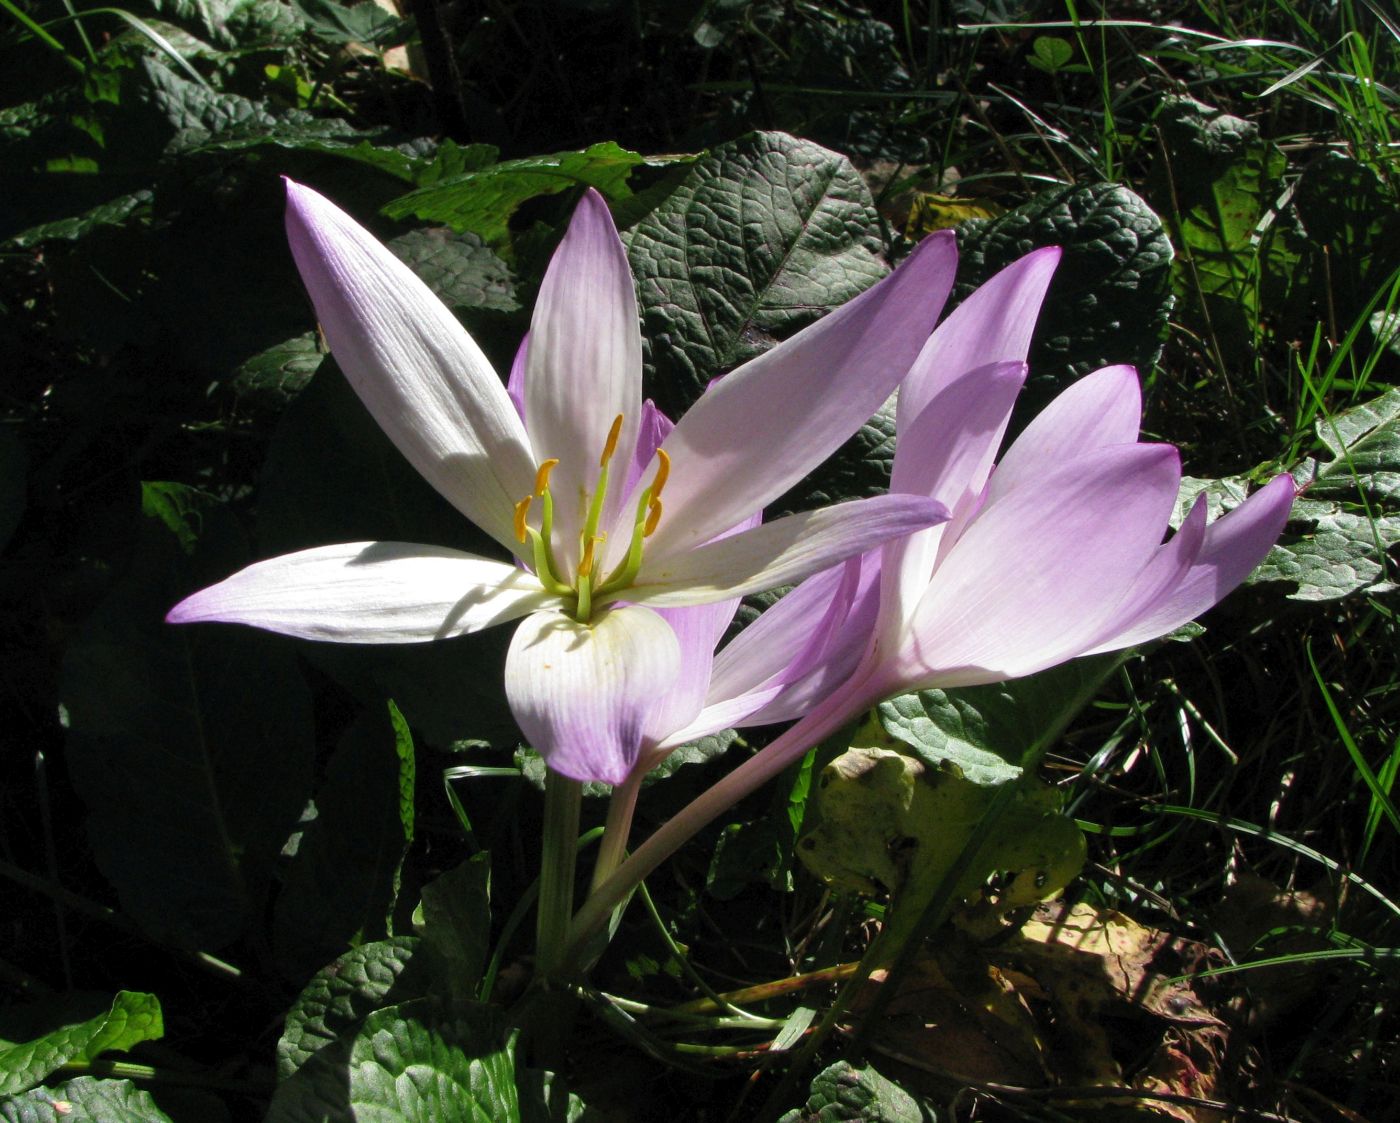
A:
<point x="112" y="213"/>
<point x="764" y="236"/>
<point x="84" y="1099"/>
<point x="991" y="733"/>
<point x="132" y="1019"/>
<point x="1111" y="295"/>
<point x="462" y="271"/>
<point x="412" y="1063"/>
<point x="340" y="997"/>
<point x="279" y="373"/>
<point x="843" y="1093"/>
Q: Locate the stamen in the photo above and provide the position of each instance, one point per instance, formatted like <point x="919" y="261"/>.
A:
<point x="542" y="476"/>
<point x="521" y="510"/>
<point x="653" y="517"/>
<point x="585" y="565"/>
<point x="663" y="473"/>
<point x="610" y="445"/>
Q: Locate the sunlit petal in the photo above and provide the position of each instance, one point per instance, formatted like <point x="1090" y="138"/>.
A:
<point x="583" y="693"/>
<point x="413" y="365"/>
<point x="368" y="592"/>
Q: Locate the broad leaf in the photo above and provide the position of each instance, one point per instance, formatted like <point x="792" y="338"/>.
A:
<point x="764" y="236"/>
<point x="84" y="1099"/>
<point x="482" y="201"/>
<point x="132" y="1019"/>
<point x="1111" y="295"/>
<point x="340" y="997"/>
<point x="454" y="920"/>
<point x="190" y="746"/>
<point x="339" y="886"/>
<point x="1347" y="520"/>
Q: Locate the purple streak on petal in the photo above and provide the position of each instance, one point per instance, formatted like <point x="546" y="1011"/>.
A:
<point x="1102" y="408"/>
<point x="419" y="373"/>
<point x="761" y="429"/>
<point x="1234" y="544"/>
<point x="655" y="427"/>
<point x="583" y="693"/>
<point x="368" y="592"/>
<point x="1033" y="578"/>
<point x="994" y="324"/>
<point x="515" y="387"/>
<point x="584" y="366"/>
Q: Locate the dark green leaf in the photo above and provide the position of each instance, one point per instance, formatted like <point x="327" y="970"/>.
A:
<point x="456" y="921"/>
<point x="340" y="997"/>
<point x="84" y="1100"/>
<point x="843" y="1093"/>
<point x="278" y="374"/>
<point x="190" y="745"/>
<point x="132" y="1019"/>
<point x="1351" y="508"/>
<point x="339" y="886"/>
<point x="462" y="271"/>
<point x="112" y="213"/>
<point x="992" y="733"/>
<point x="413" y="1063"/>
<point x="1111" y="295"/>
<point x="765" y="235"/>
<point x="482" y="201"/>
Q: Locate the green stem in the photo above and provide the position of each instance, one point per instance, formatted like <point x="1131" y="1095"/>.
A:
<point x="562" y="797"/>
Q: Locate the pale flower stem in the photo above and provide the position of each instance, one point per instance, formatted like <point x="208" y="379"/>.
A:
<point x="618" y="825"/>
<point x="821" y="722"/>
<point x="562" y="797"/>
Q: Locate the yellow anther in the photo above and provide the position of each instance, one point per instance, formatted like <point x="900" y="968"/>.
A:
<point x="585" y="565"/>
<point x="663" y="473"/>
<point x="542" y="476"/>
<point x="653" y="517"/>
<point x="521" y="510"/>
<point x="610" y="445"/>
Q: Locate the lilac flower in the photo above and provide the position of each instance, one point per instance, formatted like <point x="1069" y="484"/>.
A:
<point x="1055" y="552"/>
<point x="573" y="489"/>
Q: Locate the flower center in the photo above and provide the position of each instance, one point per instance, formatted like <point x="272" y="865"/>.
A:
<point x="585" y="584"/>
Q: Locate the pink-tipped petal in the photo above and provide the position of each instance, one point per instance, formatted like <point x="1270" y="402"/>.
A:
<point x="1233" y="545"/>
<point x="755" y="433"/>
<point x="583" y="694"/>
<point x="368" y="592"/>
<point x="413" y="365"/>
<point x="1102" y="408"/>
<point x="1032" y="579"/>
<point x="778" y="553"/>
<point x="584" y="366"/>
<point x="994" y="324"/>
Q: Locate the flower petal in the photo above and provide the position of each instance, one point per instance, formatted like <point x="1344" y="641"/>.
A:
<point x="583" y="693"/>
<point x="1102" y="408"/>
<point x="369" y="592"/>
<point x="946" y="454"/>
<point x="814" y="660"/>
<point x="756" y="432"/>
<point x="1233" y="545"/>
<point x="413" y="365"/>
<point x="1035" y="575"/>
<point x="584" y="366"/>
<point x="779" y="553"/>
<point x="994" y="324"/>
